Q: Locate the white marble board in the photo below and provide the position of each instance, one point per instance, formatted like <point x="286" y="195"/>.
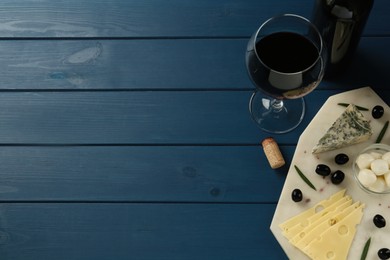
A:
<point x="307" y="162"/>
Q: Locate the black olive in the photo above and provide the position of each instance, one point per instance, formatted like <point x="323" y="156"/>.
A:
<point x="384" y="253"/>
<point x="341" y="158"/>
<point x="337" y="177"/>
<point x="377" y="112"/>
<point x="296" y="195"/>
<point x="323" y="170"/>
<point x="379" y="221"/>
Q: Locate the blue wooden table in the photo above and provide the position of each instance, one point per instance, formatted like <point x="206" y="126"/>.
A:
<point x="125" y="131"/>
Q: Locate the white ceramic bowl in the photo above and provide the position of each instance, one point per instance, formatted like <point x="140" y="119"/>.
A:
<point x="370" y="170"/>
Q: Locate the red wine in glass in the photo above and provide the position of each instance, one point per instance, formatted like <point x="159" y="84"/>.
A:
<point x="285" y="60"/>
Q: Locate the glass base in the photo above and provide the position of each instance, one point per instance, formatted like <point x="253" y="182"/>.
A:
<point x="276" y="116"/>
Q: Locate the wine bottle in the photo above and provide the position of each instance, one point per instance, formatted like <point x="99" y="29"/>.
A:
<point x="341" y="23"/>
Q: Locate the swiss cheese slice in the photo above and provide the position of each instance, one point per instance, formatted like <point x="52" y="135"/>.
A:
<point x="314" y="222"/>
<point x="294" y="230"/>
<point x="350" y="128"/>
<point x="325" y="231"/>
<point x="334" y="242"/>
<point x="302" y="217"/>
<point x="310" y="234"/>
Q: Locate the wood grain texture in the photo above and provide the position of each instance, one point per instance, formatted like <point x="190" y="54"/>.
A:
<point x="154" y="18"/>
<point x="162" y="117"/>
<point x="140" y="174"/>
<point x="158" y="65"/>
<point x="118" y="18"/>
<point x="137" y="231"/>
<point x="110" y="117"/>
<point x="125" y="131"/>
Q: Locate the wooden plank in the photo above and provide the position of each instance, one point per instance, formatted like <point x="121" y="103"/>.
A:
<point x="162" y="117"/>
<point x="166" y="117"/>
<point x="163" y="174"/>
<point x="123" y="64"/>
<point x="171" y="64"/>
<point x="155" y="18"/>
<point x="137" y="231"/>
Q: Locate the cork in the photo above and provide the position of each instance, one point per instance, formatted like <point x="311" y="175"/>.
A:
<point x="272" y="152"/>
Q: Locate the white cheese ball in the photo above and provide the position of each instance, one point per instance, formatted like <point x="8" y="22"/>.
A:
<point x="386" y="157"/>
<point x="367" y="177"/>
<point x="364" y="160"/>
<point x="379" y="166"/>
<point x="387" y="179"/>
<point x="376" y="155"/>
<point x="379" y="185"/>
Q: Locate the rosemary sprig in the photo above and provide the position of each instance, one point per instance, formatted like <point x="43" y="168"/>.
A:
<point x="304" y="178"/>
<point x="382" y="133"/>
<point x="365" y="249"/>
<point x="358" y="107"/>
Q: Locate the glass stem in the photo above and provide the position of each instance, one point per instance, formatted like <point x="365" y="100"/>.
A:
<point x="277" y="105"/>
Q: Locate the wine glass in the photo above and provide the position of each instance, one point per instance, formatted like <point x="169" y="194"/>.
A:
<point x="285" y="59"/>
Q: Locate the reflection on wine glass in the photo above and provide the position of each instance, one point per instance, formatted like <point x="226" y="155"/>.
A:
<point x="285" y="59"/>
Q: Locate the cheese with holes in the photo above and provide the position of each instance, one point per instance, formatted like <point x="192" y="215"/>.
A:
<point x="308" y="235"/>
<point x="350" y="128"/>
<point x="334" y="242"/>
<point x="302" y="217"/>
<point x="293" y="231"/>
<point x="314" y="222"/>
<point x="325" y="231"/>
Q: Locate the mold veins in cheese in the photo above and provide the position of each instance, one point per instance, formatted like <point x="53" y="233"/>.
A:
<point x="350" y="128"/>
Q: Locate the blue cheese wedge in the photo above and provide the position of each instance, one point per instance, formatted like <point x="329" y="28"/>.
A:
<point x="350" y="128"/>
